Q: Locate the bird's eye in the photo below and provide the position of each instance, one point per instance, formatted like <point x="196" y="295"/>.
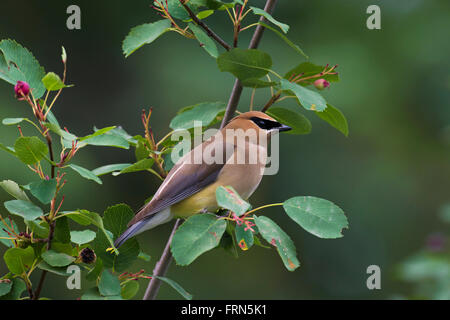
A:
<point x="265" y="123"/>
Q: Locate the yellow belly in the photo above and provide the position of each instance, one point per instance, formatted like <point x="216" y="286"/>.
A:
<point x="202" y="200"/>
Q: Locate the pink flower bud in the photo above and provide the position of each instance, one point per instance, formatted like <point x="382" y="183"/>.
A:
<point x="22" y="89"/>
<point x="321" y="84"/>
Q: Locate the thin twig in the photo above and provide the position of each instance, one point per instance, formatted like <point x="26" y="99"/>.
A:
<point x="237" y="88"/>
<point x="161" y="267"/>
<point x="210" y="33"/>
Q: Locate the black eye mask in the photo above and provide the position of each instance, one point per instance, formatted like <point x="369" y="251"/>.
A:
<point x="266" y="124"/>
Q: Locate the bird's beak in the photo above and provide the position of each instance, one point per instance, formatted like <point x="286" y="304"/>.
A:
<point x="284" y="128"/>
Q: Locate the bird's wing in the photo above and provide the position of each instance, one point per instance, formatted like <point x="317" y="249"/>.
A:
<point x="185" y="179"/>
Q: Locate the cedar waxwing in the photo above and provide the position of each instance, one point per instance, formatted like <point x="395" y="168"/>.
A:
<point x="222" y="160"/>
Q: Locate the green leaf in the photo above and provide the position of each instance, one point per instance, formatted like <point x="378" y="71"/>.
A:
<point x="53" y="82"/>
<point x="176" y="286"/>
<point x="60" y="271"/>
<point x="62" y="230"/>
<point x="144" y="34"/>
<point x="335" y="118"/>
<point x="310" y="100"/>
<point x="12" y="121"/>
<point x="30" y="150"/>
<point x="110" y="168"/>
<point x="92" y="294"/>
<point x="21" y="66"/>
<point x="142" y="165"/>
<point x="176" y="10"/>
<point x="24" y="209"/>
<point x="43" y="190"/>
<point x="109" y="284"/>
<point x="141" y="151"/>
<point x="228" y="198"/>
<point x="54" y="127"/>
<point x="244" y="238"/>
<point x="143" y="256"/>
<point x="40" y="229"/>
<point x="85" y="173"/>
<point x="107" y="140"/>
<point x="205" y="41"/>
<point x="95" y="272"/>
<point x="285" y="39"/>
<point x="5" y="286"/>
<point x="273" y="234"/>
<point x="308" y="69"/>
<point x="19" y="260"/>
<point x="129" y="290"/>
<point x="85" y="218"/>
<point x="98" y="132"/>
<point x="203" y="113"/>
<point x="298" y="122"/>
<point x="284" y="27"/>
<point x="8" y="149"/>
<point x="115" y="220"/>
<point x="245" y="63"/>
<point x="318" y="216"/>
<point x="4" y="234"/>
<point x="56" y="259"/>
<point x="198" y="234"/>
<point x="13" y="189"/>
<point x="18" y="287"/>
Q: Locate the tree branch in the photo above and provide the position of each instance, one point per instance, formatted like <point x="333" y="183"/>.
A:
<point x="210" y="33"/>
<point x="164" y="262"/>
<point x="161" y="267"/>
<point x="237" y="88"/>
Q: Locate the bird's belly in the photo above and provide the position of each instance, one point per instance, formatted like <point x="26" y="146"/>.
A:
<point x="202" y="200"/>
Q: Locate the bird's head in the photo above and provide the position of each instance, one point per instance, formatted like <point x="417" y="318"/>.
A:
<point x="258" y="121"/>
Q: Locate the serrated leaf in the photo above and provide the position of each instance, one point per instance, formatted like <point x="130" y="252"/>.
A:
<point x="273" y="234"/>
<point x="284" y="27"/>
<point x="205" y="41"/>
<point x="21" y="65"/>
<point x="318" y="216"/>
<point x="335" y="118"/>
<point x="245" y="63"/>
<point x="24" y="209"/>
<point x="14" y="190"/>
<point x="298" y="122"/>
<point x="228" y="198"/>
<point x="30" y="150"/>
<point x="115" y="220"/>
<point x="203" y="114"/>
<point x="85" y="173"/>
<point x="19" y="260"/>
<point x="43" y="190"/>
<point x="198" y="234"/>
<point x="310" y="100"/>
<point x="57" y="259"/>
<point x="110" y="168"/>
<point x="144" y="34"/>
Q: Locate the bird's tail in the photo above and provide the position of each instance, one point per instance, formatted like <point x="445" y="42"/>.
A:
<point x="144" y="225"/>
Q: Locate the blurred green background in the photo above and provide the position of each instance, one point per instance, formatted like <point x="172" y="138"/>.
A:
<point x="391" y="175"/>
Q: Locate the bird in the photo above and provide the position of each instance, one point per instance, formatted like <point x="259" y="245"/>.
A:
<point x="190" y="186"/>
